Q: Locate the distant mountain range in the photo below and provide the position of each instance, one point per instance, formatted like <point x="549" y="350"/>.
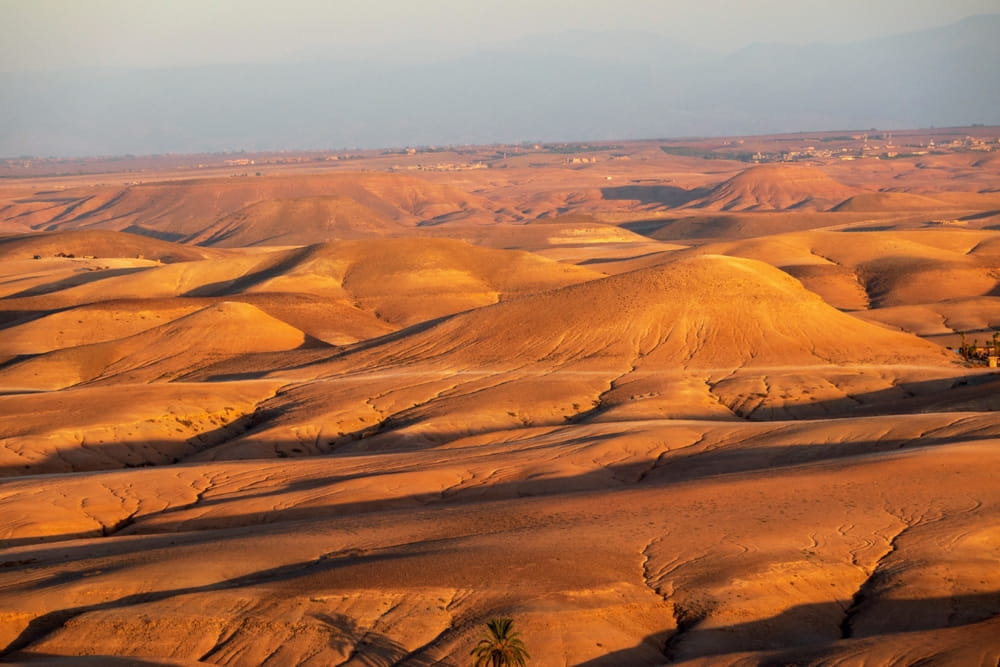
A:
<point x="564" y="87"/>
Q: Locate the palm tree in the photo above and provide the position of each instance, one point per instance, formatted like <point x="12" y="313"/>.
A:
<point x="500" y="647"/>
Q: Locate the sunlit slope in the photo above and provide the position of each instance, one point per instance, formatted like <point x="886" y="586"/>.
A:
<point x="205" y="210"/>
<point x="412" y="280"/>
<point x="333" y="321"/>
<point x="296" y="222"/>
<point x="389" y="282"/>
<point x="857" y="270"/>
<point x="775" y="187"/>
<point x="92" y="323"/>
<point x="708" y="311"/>
<point x="35" y="264"/>
<point x="338" y="292"/>
<point x="161" y="354"/>
<point x="976" y="317"/>
<point x="99" y="244"/>
<point x="640" y="545"/>
<point x="709" y="337"/>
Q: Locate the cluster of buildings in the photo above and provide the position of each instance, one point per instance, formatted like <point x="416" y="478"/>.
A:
<point x="884" y="149"/>
<point x="444" y="166"/>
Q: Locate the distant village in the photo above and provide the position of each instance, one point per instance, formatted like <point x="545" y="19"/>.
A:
<point x="795" y="147"/>
<point x="878" y="146"/>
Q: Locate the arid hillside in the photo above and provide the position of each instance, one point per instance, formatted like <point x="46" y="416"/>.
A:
<point x="775" y="187"/>
<point x="248" y="210"/>
<point x="655" y="403"/>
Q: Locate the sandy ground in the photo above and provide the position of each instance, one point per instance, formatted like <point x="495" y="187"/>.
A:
<point x="658" y="410"/>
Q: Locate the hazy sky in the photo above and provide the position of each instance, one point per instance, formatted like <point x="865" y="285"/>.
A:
<point x="47" y="34"/>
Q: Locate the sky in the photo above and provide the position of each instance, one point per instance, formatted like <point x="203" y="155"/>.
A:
<point x="66" y="34"/>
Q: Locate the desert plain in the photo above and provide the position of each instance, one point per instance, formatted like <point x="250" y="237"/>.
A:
<point x="690" y="402"/>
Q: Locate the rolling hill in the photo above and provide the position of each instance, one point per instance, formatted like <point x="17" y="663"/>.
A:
<point x="776" y="187"/>
<point x="280" y="210"/>
<point x="708" y="337"/>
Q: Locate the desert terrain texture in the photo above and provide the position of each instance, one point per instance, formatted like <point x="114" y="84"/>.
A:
<point x="693" y="402"/>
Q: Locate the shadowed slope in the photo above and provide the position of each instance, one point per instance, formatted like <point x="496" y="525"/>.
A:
<point x="109" y="427"/>
<point x="296" y="222"/>
<point x="877" y="202"/>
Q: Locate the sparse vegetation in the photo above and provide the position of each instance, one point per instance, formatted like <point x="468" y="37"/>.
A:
<point x="687" y="151"/>
<point x="567" y="149"/>
<point x="975" y="353"/>
<point x="500" y="647"/>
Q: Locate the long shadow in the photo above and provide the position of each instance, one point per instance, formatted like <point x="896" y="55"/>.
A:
<point x="237" y="285"/>
<point x="698" y="227"/>
<point x="201" y="503"/>
<point x="366" y="648"/>
<point x="386" y="338"/>
<point x="148" y="232"/>
<point x="114" y="201"/>
<point x="981" y="216"/>
<point x="310" y="352"/>
<point x="790" y="638"/>
<point x="609" y="260"/>
<point x="663" y="472"/>
<point x="51" y="660"/>
<point x="75" y="281"/>
<point x="47" y="623"/>
<point x="682" y="468"/>
<point x="13" y="318"/>
<point x="141" y="454"/>
<point x="664" y="195"/>
<point x="925" y="397"/>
